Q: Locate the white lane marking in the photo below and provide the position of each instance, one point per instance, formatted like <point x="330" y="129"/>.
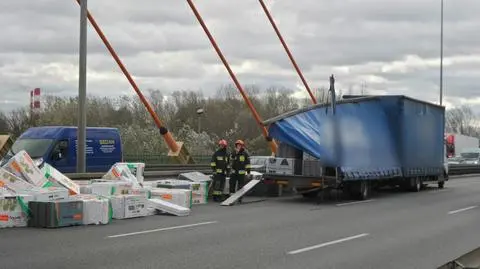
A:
<point x="357" y="202"/>
<point x="163" y="229"/>
<point x="327" y="244"/>
<point x="462" y="209"/>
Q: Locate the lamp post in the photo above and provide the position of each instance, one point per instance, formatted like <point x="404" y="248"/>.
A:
<point x="441" y="52"/>
<point x="200" y="111"/>
<point x="82" y="90"/>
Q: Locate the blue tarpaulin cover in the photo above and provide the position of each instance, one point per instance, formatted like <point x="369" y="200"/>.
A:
<point x="366" y="137"/>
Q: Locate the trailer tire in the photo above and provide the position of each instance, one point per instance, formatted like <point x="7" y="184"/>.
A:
<point x="416" y="184"/>
<point x="441" y="184"/>
<point x="364" y="190"/>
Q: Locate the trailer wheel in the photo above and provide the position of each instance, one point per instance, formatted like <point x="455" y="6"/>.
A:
<point x="441" y="184"/>
<point x="364" y="190"/>
<point x="416" y="184"/>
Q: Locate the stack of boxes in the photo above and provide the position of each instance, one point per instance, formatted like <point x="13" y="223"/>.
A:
<point x="46" y="198"/>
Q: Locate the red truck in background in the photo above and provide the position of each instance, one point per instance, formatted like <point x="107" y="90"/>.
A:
<point x="457" y="143"/>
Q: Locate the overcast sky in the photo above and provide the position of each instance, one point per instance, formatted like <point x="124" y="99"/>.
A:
<point x="389" y="46"/>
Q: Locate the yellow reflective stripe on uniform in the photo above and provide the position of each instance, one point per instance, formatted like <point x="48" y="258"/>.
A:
<point x="248" y="166"/>
<point x="241" y="172"/>
<point x="219" y="171"/>
<point x="242" y="158"/>
<point x="219" y="158"/>
<point x="213" y="164"/>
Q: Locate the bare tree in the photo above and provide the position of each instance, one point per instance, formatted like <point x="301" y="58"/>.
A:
<point x="461" y="120"/>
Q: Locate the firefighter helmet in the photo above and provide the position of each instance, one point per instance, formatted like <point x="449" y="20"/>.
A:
<point x="223" y="143"/>
<point x="239" y="142"/>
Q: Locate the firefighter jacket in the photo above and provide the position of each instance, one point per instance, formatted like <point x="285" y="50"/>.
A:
<point x="241" y="162"/>
<point x="221" y="162"/>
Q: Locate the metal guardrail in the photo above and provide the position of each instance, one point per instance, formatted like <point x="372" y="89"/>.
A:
<point x="173" y="170"/>
<point x="153" y="171"/>
<point x="463" y="169"/>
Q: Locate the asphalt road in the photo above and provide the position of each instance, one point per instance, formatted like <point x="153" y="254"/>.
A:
<point x="394" y="230"/>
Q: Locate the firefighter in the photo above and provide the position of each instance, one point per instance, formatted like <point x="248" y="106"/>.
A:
<point x="221" y="167"/>
<point x="240" y="166"/>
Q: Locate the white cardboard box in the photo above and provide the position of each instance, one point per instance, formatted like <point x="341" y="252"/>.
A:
<point x="48" y="194"/>
<point x="167" y="207"/>
<point x="282" y="166"/>
<point x="22" y="166"/>
<point x="199" y="189"/>
<point x="179" y="197"/>
<point x="121" y="172"/>
<point x="14" y="210"/>
<point x="96" y="209"/>
<point x="136" y="169"/>
<point x="129" y="206"/>
<point x="13" y="183"/>
<point x="111" y="188"/>
<point x="55" y="176"/>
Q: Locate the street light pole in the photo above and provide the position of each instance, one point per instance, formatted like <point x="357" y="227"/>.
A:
<point x="441" y="53"/>
<point x="200" y="111"/>
<point x="82" y="90"/>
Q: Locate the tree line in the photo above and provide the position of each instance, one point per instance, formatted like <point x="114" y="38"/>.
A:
<point x="225" y="116"/>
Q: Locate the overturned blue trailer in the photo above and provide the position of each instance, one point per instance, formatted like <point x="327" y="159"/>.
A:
<point x="366" y="141"/>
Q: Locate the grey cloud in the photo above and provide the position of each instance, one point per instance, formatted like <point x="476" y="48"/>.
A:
<point x="163" y="46"/>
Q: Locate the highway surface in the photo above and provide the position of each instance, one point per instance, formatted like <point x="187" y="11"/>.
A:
<point x="393" y="230"/>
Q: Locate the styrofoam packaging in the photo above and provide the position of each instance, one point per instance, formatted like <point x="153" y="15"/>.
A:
<point x="194" y="177"/>
<point x="22" y="166"/>
<point x="14" y="210"/>
<point x="146" y="192"/>
<point x="48" y="194"/>
<point x="167" y="207"/>
<point x="128" y="206"/>
<point x="55" y="176"/>
<point x="13" y="183"/>
<point x="199" y="188"/>
<point x="96" y="209"/>
<point x="111" y="188"/>
<point x="86" y="189"/>
<point x="179" y="197"/>
<point x="122" y="173"/>
<point x="136" y="169"/>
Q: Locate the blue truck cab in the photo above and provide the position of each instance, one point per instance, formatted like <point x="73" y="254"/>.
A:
<point x="57" y="146"/>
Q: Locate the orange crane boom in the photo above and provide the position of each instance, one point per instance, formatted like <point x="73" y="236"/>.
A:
<point x="176" y="149"/>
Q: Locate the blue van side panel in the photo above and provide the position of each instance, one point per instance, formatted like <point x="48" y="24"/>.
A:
<point x="357" y="139"/>
<point x="103" y="148"/>
<point x="370" y="137"/>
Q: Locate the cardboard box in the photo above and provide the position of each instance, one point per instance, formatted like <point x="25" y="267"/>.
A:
<point x="136" y="169"/>
<point x="199" y="188"/>
<point x="121" y="172"/>
<point x="14" y="184"/>
<point x="14" y="210"/>
<point x="54" y="176"/>
<point x="179" y="197"/>
<point x="194" y="177"/>
<point x="128" y="206"/>
<point x="22" y="166"/>
<point x="96" y="209"/>
<point x="111" y="188"/>
<point x="146" y="192"/>
<point x="167" y="207"/>
<point x="55" y="214"/>
<point x="48" y="194"/>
